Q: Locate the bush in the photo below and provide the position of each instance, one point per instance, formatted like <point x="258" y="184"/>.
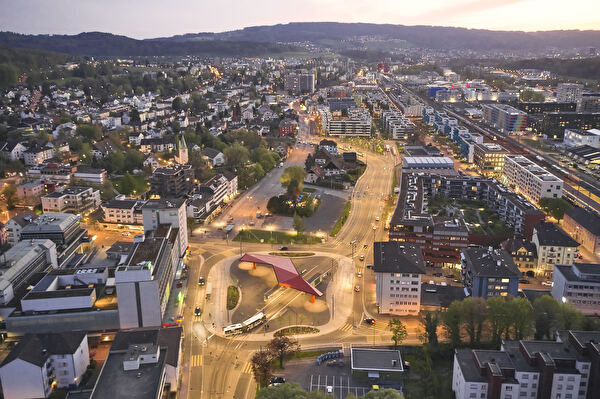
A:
<point x="233" y="297"/>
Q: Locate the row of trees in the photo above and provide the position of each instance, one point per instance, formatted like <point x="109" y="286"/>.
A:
<point x="500" y="318"/>
<point x="263" y="361"/>
<point x="295" y="391"/>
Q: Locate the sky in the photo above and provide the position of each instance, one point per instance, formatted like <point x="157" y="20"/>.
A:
<point x="155" y="18"/>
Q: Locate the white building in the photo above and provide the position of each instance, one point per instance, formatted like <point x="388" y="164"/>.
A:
<point x="41" y="361"/>
<point x="527" y="178"/>
<point x="90" y="175"/>
<point x="579" y="285"/>
<point x="123" y="211"/>
<point x="16" y="224"/>
<point x="398" y="268"/>
<point x="554" y="247"/>
<point x="578" y="137"/>
<point x="568" y="92"/>
<point x="358" y="123"/>
<point x="72" y="199"/>
<point x="170" y="212"/>
<point x="20" y="262"/>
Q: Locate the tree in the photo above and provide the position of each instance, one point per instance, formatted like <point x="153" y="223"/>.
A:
<point x="545" y="316"/>
<point x="178" y="104"/>
<point x="528" y="95"/>
<point x="474" y="315"/>
<point x="298" y="223"/>
<point x="521" y="314"/>
<point x="430" y="322"/>
<point x="310" y="162"/>
<point x="398" y="330"/>
<point x="292" y="179"/>
<point x="569" y="318"/>
<point x="555" y="207"/>
<point x="9" y="193"/>
<point x="283" y="346"/>
<point x="452" y="319"/>
<point x="115" y="162"/>
<point x="236" y="155"/>
<point x="262" y="367"/>
<point x="89" y="133"/>
<point x="498" y="317"/>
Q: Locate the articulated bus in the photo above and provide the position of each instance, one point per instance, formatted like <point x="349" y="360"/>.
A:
<point x="245" y="326"/>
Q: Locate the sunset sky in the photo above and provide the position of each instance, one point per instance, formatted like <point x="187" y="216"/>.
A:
<point x="153" y="18"/>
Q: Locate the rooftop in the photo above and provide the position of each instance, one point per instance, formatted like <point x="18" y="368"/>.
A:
<point x="51" y="222"/>
<point x="549" y="234"/>
<point x="164" y="203"/>
<point x="484" y="262"/>
<point x="36" y="348"/>
<point x="376" y="359"/>
<point x="397" y="257"/>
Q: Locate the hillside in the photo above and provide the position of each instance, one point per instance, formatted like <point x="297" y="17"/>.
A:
<point x="15" y="61"/>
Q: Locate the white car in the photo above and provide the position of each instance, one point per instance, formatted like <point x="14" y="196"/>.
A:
<point x="329" y="389"/>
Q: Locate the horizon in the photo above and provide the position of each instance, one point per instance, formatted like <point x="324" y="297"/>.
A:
<point x="70" y="17"/>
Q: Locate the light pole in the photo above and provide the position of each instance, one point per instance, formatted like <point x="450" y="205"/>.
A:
<point x="353" y="246"/>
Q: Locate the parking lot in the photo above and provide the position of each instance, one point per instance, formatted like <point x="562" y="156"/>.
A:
<point x="326" y="378"/>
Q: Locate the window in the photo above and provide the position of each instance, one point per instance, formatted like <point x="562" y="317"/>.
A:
<point x="473" y="395"/>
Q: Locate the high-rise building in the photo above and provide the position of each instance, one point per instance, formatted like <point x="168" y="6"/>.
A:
<point x="505" y="118"/>
<point x="489" y="158"/>
<point x="172" y="181"/>
<point x="568" y="92"/>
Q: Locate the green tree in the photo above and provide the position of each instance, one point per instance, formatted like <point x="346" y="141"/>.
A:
<point x="236" y="155"/>
<point x="528" y="95"/>
<point x="398" y="330"/>
<point x="9" y="194"/>
<point x="262" y="367"/>
<point x="178" y="104"/>
<point x="452" y="319"/>
<point x="134" y="159"/>
<point x="569" y="318"/>
<point x="8" y="74"/>
<point x="115" y="162"/>
<point x="474" y="315"/>
<point x="521" y="314"/>
<point x="283" y="346"/>
<point x="89" y="133"/>
<point x="430" y="323"/>
<point x="555" y="207"/>
<point x="298" y="223"/>
<point x="545" y="316"/>
<point x="498" y="317"/>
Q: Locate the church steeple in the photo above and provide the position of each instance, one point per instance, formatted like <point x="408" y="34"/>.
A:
<point x="182" y="150"/>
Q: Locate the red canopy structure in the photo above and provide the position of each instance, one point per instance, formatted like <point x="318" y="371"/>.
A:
<point x="285" y="272"/>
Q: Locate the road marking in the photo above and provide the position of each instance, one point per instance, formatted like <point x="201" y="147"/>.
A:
<point x="247" y="369"/>
<point x="196" y="361"/>
<point x="346" y="327"/>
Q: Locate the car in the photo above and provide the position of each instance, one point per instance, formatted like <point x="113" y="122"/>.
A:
<point x="201" y="281"/>
<point x="329" y="389"/>
<point x="438" y="274"/>
<point x="547" y="283"/>
<point x="283" y="248"/>
<point x="370" y="321"/>
<point x="362" y="258"/>
<point x="274" y="381"/>
<point x="125" y="234"/>
<point x="358" y="274"/>
<point x="357" y="288"/>
<point x="365" y="246"/>
<point x="377" y="219"/>
<point x="431" y="282"/>
<point x="197" y="311"/>
<point x="179" y="284"/>
<point x="370" y="267"/>
<point x="456" y="280"/>
<point x="449" y="276"/>
<point x="523" y="281"/>
<point x="335" y="362"/>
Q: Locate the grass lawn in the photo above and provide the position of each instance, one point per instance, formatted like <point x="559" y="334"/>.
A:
<point x="342" y="219"/>
<point x="309" y="190"/>
<point x="275" y="237"/>
<point x="233" y="297"/>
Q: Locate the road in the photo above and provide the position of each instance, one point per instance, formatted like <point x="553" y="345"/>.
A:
<point x="215" y="367"/>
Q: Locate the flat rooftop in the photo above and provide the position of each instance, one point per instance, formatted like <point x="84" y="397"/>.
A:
<point x="367" y="359"/>
<point x="116" y="383"/>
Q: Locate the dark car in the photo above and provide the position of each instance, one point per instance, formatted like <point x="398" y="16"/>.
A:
<point x="336" y="362"/>
<point x="197" y="311"/>
<point x="523" y="281"/>
<point x="370" y="321"/>
<point x="201" y="281"/>
<point x="365" y="246"/>
<point x="274" y="381"/>
<point x="283" y="248"/>
<point x="449" y="276"/>
<point x="438" y="274"/>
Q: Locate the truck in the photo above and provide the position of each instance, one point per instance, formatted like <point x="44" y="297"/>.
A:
<point x="208" y="291"/>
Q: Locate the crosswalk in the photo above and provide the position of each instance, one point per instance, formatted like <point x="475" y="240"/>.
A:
<point x="346" y="327"/>
<point x="196" y="361"/>
<point x="364" y="327"/>
<point x="247" y="369"/>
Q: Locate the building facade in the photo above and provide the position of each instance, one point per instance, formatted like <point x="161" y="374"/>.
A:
<point x="527" y="178"/>
<point x="488" y="272"/>
<point x="554" y="247"/>
<point x="584" y="227"/>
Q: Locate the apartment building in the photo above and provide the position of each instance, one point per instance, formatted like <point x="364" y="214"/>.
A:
<point x="564" y="369"/>
<point x="357" y="123"/>
<point x="395" y="123"/>
<point x="171" y="212"/>
<point x="90" y="175"/>
<point x="523" y="252"/>
<point x="172" y="181"/>
<point x="505" y="118"/>
<point x="489" y="158"/>
<point x="569" y="92"/>
<point x="15" y="225"/>
<point x="579" y="285"/>
<point x="41" y="362"/>
<point x="488" y="272"/>
<point x="532" y="181"/>
<point x="123" y="211"/>
<point x="584" y="227"/>
<point x="72" y="199"/>
<point x="554" y="247"/>
<point x="398" y="268"/>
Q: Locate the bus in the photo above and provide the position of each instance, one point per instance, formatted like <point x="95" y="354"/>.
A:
<point x="254" y="321"/>
<point x="208" y="291"/>
<point x="234" y="329"/>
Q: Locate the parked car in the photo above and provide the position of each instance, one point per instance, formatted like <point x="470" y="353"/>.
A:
<point x="362" y="258"/>
<point x="336" y="362"/>
<point x="438" y="274"/>
<point x="547" y="283"/>
<point x="366" y="246"/>
<point x="357" y="288"/>
<point x="283" y="248"/>
<point x="329" y="389"/>
<point x="274" y="381"/>
<point x="523" y="281"/>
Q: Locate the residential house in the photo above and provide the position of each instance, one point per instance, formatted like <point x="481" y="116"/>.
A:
<point x="12" y="151"/>
<point x="329" y="145"/>
<point x="90" y="175"/>
<point x="554" y="247"/>
<point x="523" y="252"/>
<point x="488" y="272"/>
<point x="135" y="138"/>
<point x="123" y="211"/>
<point x="15" y="225"/>
<point x="72" y="199"/>
<point x="37" y="154"/>
<point x="103" y="148"/>
<point x="314" y="174"/>
<point x="157" y="145"/>
<point x="213" y="157"/>
<point x="40" y="362"/>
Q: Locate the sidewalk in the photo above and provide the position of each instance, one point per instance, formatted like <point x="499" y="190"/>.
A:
<point x="338" y="295"/>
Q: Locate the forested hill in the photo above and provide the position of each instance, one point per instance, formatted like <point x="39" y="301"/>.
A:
<point x="108" y="45"/>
